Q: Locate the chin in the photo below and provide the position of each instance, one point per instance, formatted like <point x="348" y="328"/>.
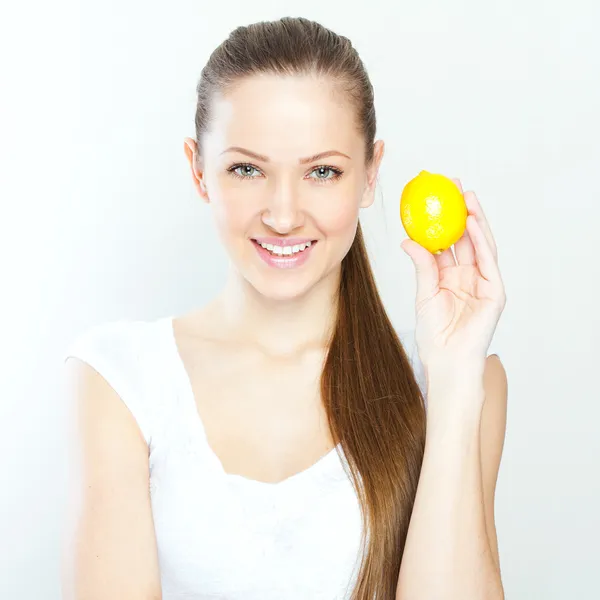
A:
<point x="279" y="280"/>
<point x="281" y="289"/>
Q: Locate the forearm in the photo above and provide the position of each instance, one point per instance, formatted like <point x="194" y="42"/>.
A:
<point x="447" y="555"/>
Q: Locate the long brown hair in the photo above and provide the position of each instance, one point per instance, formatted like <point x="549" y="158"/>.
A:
<point x="374" y="405"/>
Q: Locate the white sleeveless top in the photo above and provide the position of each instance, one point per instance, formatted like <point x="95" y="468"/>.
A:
<point x="219" y="535"/>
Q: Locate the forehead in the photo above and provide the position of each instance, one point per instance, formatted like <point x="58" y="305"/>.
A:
<point x="283" y="117"/>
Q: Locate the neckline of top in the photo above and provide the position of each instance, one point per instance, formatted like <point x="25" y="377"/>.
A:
<point x="184" y="384"/>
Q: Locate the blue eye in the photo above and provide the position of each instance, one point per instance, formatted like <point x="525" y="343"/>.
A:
<point x="337" y="173"/>
<point x="236" y="167"/>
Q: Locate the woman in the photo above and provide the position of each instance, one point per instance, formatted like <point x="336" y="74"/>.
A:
<point x="275" y="443"/>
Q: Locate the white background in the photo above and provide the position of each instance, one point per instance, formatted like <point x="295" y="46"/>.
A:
<point x="99" y="221"/>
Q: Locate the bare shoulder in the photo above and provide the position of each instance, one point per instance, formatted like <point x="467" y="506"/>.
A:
<point x="493" y="431"/>
<point x="495" y="373"/>
<point x="493" y="419"/>
<point x="109" y="542"/>
<point x="95" y="405"/>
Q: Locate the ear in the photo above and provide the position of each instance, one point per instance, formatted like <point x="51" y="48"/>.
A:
<point x="190" y="148"/>
<point x="368" y="196"/>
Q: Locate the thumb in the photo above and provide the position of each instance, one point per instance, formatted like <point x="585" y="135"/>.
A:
<point x="426" y="269"/>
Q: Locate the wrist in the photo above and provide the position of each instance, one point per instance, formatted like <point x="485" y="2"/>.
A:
<point x="454" y="410"/>
<point x="455" y="375"/>
<point x="455" y="392"/>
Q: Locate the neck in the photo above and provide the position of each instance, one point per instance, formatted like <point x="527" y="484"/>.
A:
<point x="279" y="326"/>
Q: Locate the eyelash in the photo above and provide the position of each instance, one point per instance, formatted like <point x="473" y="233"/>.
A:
<point x="337" y="172"/>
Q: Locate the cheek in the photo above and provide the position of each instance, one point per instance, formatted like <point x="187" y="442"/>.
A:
<point x="334" y="214"/>
<point x="338" y="218"/>
<point x="232" y="217"/>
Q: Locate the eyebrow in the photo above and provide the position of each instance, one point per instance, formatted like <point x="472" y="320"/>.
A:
<point x="301" y="161"/>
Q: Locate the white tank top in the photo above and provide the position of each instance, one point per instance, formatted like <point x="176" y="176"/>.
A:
<point x="219" y="535"/>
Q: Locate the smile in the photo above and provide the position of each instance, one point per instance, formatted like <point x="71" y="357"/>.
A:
<point x="284" y="256"/>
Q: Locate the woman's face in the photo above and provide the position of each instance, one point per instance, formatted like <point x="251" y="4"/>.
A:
<point x="284" y="198"/>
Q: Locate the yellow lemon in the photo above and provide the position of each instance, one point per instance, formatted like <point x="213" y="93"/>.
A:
<point x="433" y="211"/>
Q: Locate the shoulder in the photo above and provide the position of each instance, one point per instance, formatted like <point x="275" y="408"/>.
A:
<point x="108" y="467"/>
<point x="120" y="355"/>
<point x="112" y="336"/>
<point x="492" y="435"/>
<point x="493" y="416"/>
<point x="494" y="373"/>
<point x="113" y="349"/>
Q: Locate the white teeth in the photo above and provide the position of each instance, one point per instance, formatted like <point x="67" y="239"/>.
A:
<point x="286" y="250"/>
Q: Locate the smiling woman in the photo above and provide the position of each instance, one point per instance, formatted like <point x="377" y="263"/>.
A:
<point x="280" y="429"/>
<point x="289" y="190"/>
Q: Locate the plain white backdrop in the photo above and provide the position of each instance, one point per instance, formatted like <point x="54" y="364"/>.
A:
<point x="99" y="221"/>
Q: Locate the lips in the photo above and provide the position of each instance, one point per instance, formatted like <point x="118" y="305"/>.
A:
<point x="278" y="241"/>
<point x="284" y="261"/>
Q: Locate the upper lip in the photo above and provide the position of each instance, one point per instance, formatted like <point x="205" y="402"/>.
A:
<point x="276" y="241"/>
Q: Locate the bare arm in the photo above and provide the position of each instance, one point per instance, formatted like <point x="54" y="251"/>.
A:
<point x="451" y="550"/>
<point x="109" y="548"/>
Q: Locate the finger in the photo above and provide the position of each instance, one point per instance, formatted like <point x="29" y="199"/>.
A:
<point x="458" y="183"/>
<point x="486" y="261"/>
<point x="445" y="259"/>
<point x="426" y="269"/>
<point x="464" y="249"/>
<point x="475" y="209"/>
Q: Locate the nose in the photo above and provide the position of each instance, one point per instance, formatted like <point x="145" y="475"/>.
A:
<point x="283" y="213"/>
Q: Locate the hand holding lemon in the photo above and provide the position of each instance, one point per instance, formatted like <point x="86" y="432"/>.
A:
<point x="460" y="295"/>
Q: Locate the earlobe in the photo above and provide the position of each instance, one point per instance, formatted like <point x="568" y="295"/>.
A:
<point x="203" y="190"/>
<point x="367" y="199"/>
<point x="201" y="187"/>
<point x="368" y="196"/>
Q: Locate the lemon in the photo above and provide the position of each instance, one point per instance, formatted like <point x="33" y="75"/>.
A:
<point x="433" y="211"/>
